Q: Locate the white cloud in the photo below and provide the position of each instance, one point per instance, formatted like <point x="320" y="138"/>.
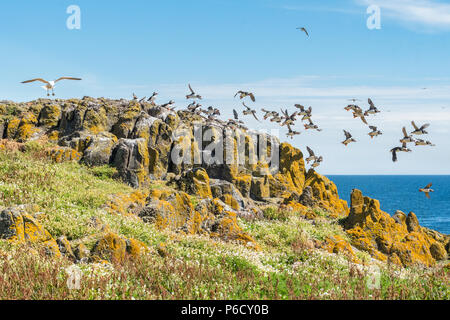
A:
<point x="429" y="14"/>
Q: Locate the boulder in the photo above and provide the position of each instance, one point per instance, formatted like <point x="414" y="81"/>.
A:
<point x="381" y="235"/>
<point x="195" y="182"/>
<point x="131" y="159"/>
<point x="260" y="188"/>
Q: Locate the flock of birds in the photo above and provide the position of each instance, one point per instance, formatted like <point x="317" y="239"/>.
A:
<point x="407" y="138"/>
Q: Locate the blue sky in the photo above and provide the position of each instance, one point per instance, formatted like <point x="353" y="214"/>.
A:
<point x="222" y="46"/>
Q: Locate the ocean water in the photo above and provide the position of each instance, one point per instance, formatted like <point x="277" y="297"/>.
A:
<point x="402" y="193"/>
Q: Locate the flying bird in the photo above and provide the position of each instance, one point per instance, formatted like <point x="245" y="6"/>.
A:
<point x="420" y="142"/>
<point x="427" y="190"/>
<point x="421" y="130"/>
<point x="304" y="30"/>
<point x="348" y="138"/>
<point x="372" y="108"/>
<point x="288" y="119"/>
<point x="406" y="138"/>
<point x="291" y="132"/>
<point x="311" y="125"/>
<point x="317" y="162"/>
<point x="193" y="95"/>
<point x="394" y="151"/>
<point x="236" y="115"/>
<point x="243" y="94"/>
<point x="312" y="156"/>
<point x="249" y="111"/>
<point x="50" y="85"/>
<point x="375" y="132"/>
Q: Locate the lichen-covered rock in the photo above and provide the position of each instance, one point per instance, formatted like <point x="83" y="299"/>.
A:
<point x="260" y="188"/>
<point x="18" y="226"/>
<point x="81" y="253"/>
<point x="228" y="193"/>
<point x="325" y="193"/>
<point x="63" y="154"/>
<point x="111" y="247"/>
<point x="338" y="245"/>
<point x="124" y="126"/>
<point x="291" y="176"/>
<point x="95" y="120"/>
<point x="131" y="158"/>
<point x="195" y="182"/>
<point x="382" y="236"/>
<point x="50" y="115"/>
<point x="99" y="149"/>
<point x="438" y="251"/>
<point x="65" y="248"/>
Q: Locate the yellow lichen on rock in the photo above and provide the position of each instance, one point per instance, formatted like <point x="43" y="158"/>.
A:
<point x="16" y="225"/>
<point x="383" y="236"/>
<point x="63" y="154"/>
<point x="338" y="245"/>
<point x="326" y="194"/>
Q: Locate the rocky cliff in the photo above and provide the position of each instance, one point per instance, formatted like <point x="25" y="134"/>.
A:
<point x="197" y="195"/>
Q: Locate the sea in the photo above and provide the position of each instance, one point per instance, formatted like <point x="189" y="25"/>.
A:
<point x="402" y="193"/>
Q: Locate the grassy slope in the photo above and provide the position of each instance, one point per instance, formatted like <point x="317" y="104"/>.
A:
<point x="195" y="267"/>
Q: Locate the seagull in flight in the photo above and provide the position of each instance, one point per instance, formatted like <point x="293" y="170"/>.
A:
<point x="304" y="30"/>
<point x="50" y="85"/>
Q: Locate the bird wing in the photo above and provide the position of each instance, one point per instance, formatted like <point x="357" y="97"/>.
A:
<point x="236" y="115"/>
<point x="37" y="79"/>
<point x="252" y="96"/>
<point x="394" y="155"/>
<point x="426" y="125"/>
<point x="304" y="30"/>
<point x="190" y="88"/>
<point x="243" y="103"/>
<point x="254" y="115"/>
<point x="239" y="92"/>
<point x="429" y="185"/>
<point x="347" y="134"/>
<point x="364" y="119"/>
<point x="372" y="106"/>
<point x="404" y="132"/>
<point x="299" y="106"/>
<point x="66" y="78"/>
<point x="373" y="128"/>
<point x="427" y="194"/>
<point x="311" y="153"/>
<point x="414" y="125"/>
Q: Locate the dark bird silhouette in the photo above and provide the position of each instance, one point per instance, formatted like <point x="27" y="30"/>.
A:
<point x="243" y="94"/>
<point x="304" y="30"/>
<point x="249" y="111"/>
